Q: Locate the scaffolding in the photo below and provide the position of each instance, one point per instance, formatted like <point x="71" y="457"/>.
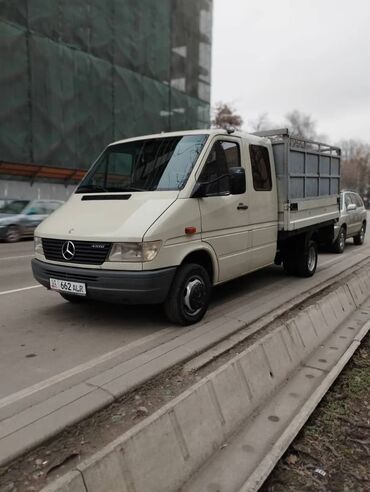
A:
<point x="78" y="75"/>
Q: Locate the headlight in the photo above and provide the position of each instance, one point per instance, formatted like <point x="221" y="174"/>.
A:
<point x="38" y="245"/>
<point x="146" y="251"/>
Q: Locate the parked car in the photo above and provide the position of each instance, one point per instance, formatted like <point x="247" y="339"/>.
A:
<point x="4" y="201"/>
<point x="19" y="218"/>
<point x="163" y="218"/>
<point x="352" y="221"/>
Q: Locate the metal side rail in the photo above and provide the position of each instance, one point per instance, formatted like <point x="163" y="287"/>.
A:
<point x="226" y="432"/>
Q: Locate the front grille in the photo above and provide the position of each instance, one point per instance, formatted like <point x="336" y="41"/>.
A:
<point x="71" y="276"/>
<point x="86" y="252"/>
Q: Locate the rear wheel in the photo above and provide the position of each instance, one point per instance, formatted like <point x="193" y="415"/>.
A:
<point x="74" y="299"/>
<point x="360" y="238"/>
<point x="339" y="243"/>
<point x="307" y="262"/>
<point x="12" y="234"/>
<point x="189" y="295"/>
<point x="301" y="261"/>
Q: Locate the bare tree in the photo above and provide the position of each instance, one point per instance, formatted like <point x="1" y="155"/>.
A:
<point x="301" y="124"/>
<point x="355" y="166"/>
<point x="225" y="116"/>
<point x="262" y="122"/>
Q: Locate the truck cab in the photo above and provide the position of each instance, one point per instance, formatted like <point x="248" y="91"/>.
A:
<point x="163" y="218"/>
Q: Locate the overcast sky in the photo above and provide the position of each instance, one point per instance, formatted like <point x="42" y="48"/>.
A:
<point x="312" y="55"/>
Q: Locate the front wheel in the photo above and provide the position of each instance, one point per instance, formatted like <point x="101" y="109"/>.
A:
<point x="189" y="295"/>
<point x="12" y="234"/>
<point x="339" y="243"/>
<point x="360" y="238"/>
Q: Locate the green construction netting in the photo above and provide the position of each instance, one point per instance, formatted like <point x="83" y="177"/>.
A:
<point x="77" y="75"/>
<point x="15" y="123"/>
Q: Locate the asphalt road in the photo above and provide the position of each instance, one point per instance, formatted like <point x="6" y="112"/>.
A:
<point x="42" y="335"/>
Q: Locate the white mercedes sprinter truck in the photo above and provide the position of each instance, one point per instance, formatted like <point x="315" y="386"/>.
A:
<point x="163" y="218"/>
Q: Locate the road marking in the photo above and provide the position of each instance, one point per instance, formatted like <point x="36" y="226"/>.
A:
<point x="15" y="257"/>
<point x="19" y="290"/>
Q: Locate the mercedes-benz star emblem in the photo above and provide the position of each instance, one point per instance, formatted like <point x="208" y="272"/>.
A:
<point x="68" y="250"/>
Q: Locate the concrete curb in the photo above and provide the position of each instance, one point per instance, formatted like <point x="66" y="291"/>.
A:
<point x="161" y="453"/>
<point x="260" y="474"/>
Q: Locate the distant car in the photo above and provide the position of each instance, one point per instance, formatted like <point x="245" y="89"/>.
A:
<point x="19" y="218"/>
<point x="352" y="221"/>
<point x="4" y="201"/>
<point x="366" y="201"/>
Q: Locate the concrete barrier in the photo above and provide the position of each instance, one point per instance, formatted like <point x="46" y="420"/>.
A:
<point x="161" y="453"/>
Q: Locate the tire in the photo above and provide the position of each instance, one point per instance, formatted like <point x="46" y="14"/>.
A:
<point x="12" y="234"/>
<point x="74" y="299"/>
<point x="307" y="261"/>
<point x="189" y="295"/>
<point x="339" y="243"/>
<point x="360" y="238"/>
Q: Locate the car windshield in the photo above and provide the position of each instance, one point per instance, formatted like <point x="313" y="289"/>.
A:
<point x="14" y="207"/>
<point x="145" y="165"/>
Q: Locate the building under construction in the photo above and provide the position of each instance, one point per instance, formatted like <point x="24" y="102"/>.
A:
<point x="76" y="75"/>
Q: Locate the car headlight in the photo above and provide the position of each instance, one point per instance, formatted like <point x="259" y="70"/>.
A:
<point x="145" y="251"/>
<point x="38" y="245"/>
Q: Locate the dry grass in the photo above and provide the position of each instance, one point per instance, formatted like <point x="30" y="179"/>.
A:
<point x="336" y="439"/>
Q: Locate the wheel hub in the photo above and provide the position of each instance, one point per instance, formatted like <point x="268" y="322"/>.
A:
<point x="341" y="239"/>
<point x="311" y="259"/>
<point x="195" y="294"/>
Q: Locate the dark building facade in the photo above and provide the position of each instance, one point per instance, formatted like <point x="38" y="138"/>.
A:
<point x="78" y="74"/>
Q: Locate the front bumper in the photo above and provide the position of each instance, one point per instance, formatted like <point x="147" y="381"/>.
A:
<point x="126" y="287"/>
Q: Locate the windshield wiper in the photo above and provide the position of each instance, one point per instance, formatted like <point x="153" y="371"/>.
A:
<point x="90" y="188"/>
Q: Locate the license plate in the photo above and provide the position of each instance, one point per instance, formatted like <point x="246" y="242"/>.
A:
<point x="77" y="288"/>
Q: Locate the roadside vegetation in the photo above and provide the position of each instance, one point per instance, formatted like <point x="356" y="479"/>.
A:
<point x="332" y="452"/>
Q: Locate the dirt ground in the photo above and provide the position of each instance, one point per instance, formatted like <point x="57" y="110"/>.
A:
<point x="332" y="452"/>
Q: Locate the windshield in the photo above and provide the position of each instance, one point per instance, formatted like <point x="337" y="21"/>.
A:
<point x="145" y="165"/>
<point x="14" y="207"/>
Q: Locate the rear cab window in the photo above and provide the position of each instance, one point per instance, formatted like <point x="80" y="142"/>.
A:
<point x="261" y="168"/>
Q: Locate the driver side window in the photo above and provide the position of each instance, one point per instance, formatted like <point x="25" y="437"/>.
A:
<point x="347" y="200"/>
<point x="222" y="156"/>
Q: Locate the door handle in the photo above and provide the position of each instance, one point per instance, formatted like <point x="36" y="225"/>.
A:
<point x="242" y="206"/>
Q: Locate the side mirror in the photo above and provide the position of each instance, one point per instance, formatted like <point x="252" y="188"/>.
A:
<point x="351" y="207"/>
<point x="237" y="180"/>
